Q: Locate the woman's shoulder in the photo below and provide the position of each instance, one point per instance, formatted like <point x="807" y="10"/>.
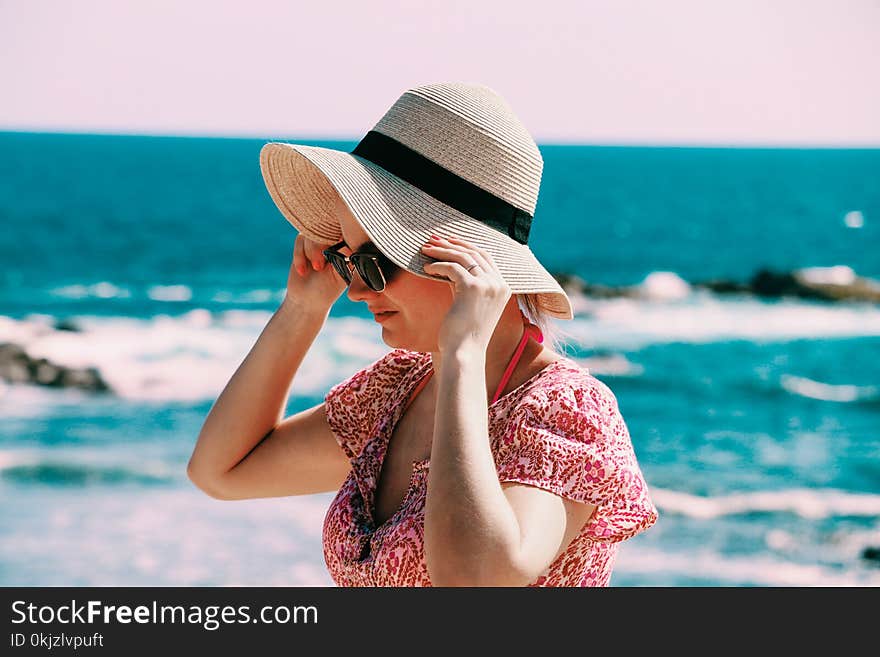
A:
<point x="566" y="378"/>
<point x="395" y="366"/>
<point x="566" y="392"/>
<point x="355" y="406"/>
<point x="567" y="436"/>
<point x="387" y="371"/>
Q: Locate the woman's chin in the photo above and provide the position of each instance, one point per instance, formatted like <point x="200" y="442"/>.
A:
<point x="392" y="339"/>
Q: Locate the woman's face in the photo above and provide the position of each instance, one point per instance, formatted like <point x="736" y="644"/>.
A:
<point x="418" y="304"/>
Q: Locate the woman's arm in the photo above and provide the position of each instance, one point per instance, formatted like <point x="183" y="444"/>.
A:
<point x="254" y="399"/>
<point x="478" y="533"/>
<point x="239" y="452"/>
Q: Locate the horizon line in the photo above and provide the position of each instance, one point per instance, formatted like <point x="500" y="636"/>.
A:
<point x="305" y="138"/>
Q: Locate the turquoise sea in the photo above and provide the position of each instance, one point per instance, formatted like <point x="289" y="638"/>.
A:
<point x="158" y="260"/>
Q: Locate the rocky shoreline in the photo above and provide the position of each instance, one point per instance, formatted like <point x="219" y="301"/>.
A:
<point x="16" y="366"/>
<point x="817" y="283"/>
<point x="830" y="284"/>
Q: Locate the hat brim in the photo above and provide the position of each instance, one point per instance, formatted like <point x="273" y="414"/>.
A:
<point x="398" y="217"/>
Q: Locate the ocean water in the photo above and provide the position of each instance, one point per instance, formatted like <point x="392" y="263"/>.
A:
<point x="756" y="420"/>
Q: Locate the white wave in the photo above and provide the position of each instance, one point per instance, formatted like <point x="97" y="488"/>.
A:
<point x="702" y="317"/>
<point x="805" y="387"/>
<point x="805" y="502"/>
<point x="733" y="571"/>
<point x="854" y="219"/>
<point x="169" y="292"/>
<point x="102" y="290"/>
<point x="837" y="275"/>
<point x="843" y="545"/>
<point x="138" y="541"/>
<point x="251" y="296"/>
<point x="189" y="357"/>
<point x="610" y="365"/>
<point x="90" y="461"/>
<point x="664" y="286"/>
<point x="26" y="330"/>
<point x="853" y="542"/>
<point x="27" y="402"/>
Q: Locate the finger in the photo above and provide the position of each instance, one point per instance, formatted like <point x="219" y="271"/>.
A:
<point x="450" y="255"/>
<point x="299" y="257"/>
<point x="451" y="271"/>
<point x="314" y="255"/>
<point x="463" y="263"/>
<point x="468" y="255"/>
<point x="461" y="244"/>
<point x="480" y="256"/>
<point x="462" y="252"/>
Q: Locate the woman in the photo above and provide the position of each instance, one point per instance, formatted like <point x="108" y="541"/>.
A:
<point x="427" y="222"/>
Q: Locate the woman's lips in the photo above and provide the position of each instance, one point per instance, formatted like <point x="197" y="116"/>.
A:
<point x="380" y="317"/>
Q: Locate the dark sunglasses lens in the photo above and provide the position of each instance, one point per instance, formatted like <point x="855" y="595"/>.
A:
<point x="339" y="265"/>
<point x="369" y="270"/>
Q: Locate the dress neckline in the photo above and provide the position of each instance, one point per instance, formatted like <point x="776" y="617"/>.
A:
<point x="367" y="469"/>
<point x="411" y="390"/>
<point x="370" y="487"/>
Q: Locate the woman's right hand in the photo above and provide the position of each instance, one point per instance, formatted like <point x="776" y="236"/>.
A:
<point x="312" y="282"/>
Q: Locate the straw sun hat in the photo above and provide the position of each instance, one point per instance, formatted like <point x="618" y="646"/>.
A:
<point x="449" y="158"/>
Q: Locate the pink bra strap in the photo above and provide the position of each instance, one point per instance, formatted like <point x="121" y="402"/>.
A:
<point x="528" y="329"/>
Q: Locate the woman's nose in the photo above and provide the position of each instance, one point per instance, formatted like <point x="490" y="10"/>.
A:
<point x="357" y="289"/>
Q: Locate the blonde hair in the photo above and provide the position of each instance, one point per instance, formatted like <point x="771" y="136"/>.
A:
<point x="555" y="337"/>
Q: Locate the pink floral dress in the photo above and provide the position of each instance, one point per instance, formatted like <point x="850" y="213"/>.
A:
<point x="560" y="431"/>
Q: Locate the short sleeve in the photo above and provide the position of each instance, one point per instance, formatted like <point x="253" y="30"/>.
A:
<point x="570" y="439"/>
<point x="355" y="406"/>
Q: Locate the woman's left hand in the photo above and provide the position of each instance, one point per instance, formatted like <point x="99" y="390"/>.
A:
<point x="480" y="293"/>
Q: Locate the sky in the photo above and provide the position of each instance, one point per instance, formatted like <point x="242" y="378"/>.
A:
<point x="649" y="72"/>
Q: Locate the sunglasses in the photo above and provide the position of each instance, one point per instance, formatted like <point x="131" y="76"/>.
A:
<point x="374" y="268"/>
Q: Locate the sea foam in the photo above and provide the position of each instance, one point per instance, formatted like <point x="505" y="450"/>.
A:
<point x="190" y="356"/>
<point x="804" y="502"/>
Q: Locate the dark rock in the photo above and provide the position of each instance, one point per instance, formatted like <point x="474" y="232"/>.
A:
<point x="575" y="285"/>
<point x="45" y="373"/>
<point x="17" y="367"/>
<point x="607" y="292"/>
<point x="723" y="286"/>
<point x="67" y="325"/>
<point x="569" y="282"/>
<point x="856" y="288"/>
<point x="14" y="363"/>
<point x="11" y="351"/>
<point x="772" y="284"/>
<point x="85" y="379"/>
<point x="871" y="554"/>
<point x="765" y="283"/>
